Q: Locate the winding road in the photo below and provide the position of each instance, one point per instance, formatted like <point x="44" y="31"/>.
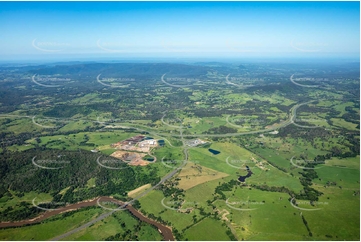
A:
<point x="164" y="232"/>
<point x="292" y="116"/>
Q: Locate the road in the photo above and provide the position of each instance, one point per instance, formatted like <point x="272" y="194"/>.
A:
<point x="292" y="116"/>
<point x="160" y="134"/>
<point x="165" y="231"/>
<point x="103" y="216"/>
<point x="165" y="178"/>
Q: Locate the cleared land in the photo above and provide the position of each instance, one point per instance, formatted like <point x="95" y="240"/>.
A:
<point x="193" y="175"/>
<point x="134" y="158"/>
<point x="138" y="190"/>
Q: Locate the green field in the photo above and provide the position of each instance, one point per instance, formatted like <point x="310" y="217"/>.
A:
<point x="252" y="113"/>
<point x="50" y="229"/>
<point x="113" y="225"/>
<point x="207" y="229"/>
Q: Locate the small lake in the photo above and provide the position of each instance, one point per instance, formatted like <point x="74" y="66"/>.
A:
<point x="214" y="152"/>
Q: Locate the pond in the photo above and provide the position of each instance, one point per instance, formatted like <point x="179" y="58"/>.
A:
<point x="214" y="152"/>
<point x="161" y="142"/>
<point x="243" y="178"/>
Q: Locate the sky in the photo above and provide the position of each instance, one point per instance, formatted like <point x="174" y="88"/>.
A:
<point x="77" y="30"/>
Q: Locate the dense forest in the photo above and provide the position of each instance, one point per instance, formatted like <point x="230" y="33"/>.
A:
<point x="19" y="175"/>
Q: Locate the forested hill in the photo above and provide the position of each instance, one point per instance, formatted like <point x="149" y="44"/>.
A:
<point x="19" y="174"/>
<point x="123" y="69"/>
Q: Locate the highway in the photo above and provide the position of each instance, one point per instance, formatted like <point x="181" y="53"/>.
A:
<point x="290" y="120"/>
<point x="165" y="178"/>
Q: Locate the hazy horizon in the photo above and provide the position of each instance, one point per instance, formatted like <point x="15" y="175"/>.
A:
<point x="63" y="31"/>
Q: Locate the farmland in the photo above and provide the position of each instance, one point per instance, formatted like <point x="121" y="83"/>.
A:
<point x="176" y="152"/>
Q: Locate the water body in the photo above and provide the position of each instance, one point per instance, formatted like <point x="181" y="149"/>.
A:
<point x="243" y="178"/>
<point x="214" y="152"/>
<point x="161" y="142"/>
<point x="165" y="231"/>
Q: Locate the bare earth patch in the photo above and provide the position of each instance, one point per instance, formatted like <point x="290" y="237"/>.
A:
<point x="135" y="159"/>
<point x="193" y="175"/>
<point x="136" y="143"/>
<point x="224" y="215"/>
<point x="136" y="191"/>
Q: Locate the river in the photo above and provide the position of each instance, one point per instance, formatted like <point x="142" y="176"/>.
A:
<point x="165" y="231"/>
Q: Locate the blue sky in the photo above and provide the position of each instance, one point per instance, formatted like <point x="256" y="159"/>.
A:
<point x="178" y="29"/>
